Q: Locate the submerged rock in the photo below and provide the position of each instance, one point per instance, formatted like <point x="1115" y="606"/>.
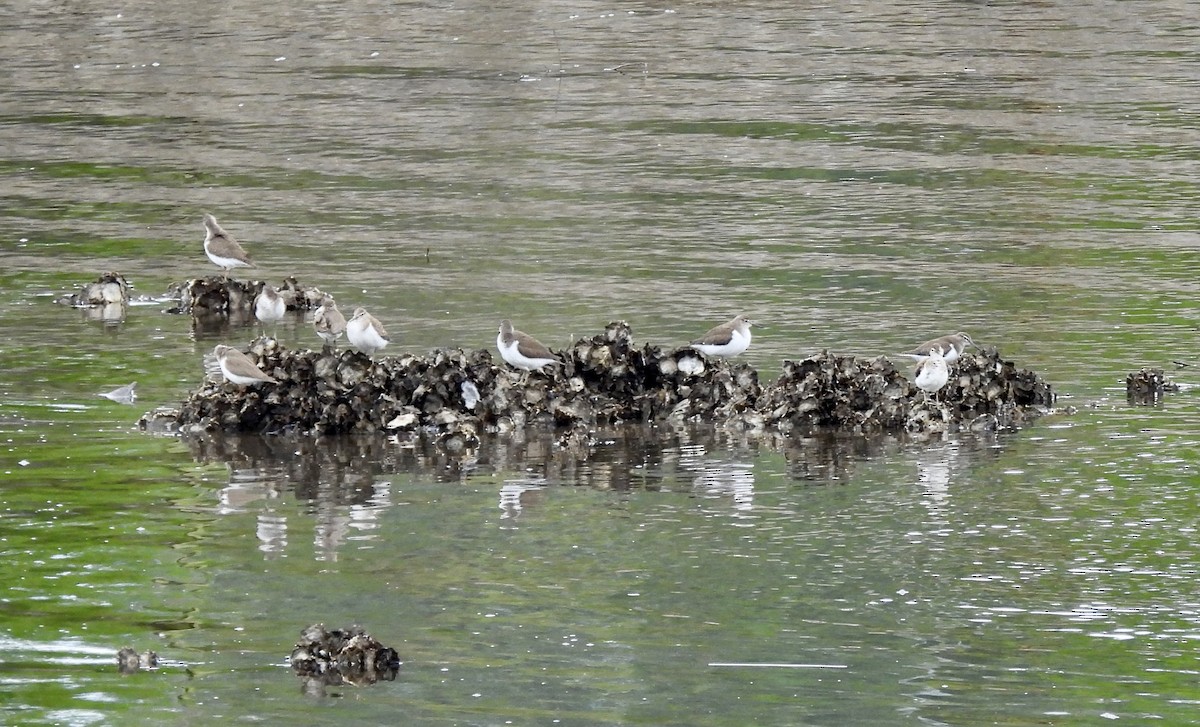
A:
<point x="129" y="661"/>
<point x="1147" y="386"/>
<point x="601" y="380"/>
<point x="349" y="655"/>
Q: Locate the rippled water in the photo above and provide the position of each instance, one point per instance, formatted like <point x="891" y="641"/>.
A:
<point x="859" y="176"/>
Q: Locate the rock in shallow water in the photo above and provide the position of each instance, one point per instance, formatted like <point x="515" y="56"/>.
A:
<point x="1147" y="386"/>
<point x="349" y="655"/>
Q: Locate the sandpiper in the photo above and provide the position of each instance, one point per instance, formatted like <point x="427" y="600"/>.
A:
<point x="521" y="349"/>
<point x="269" y="307"/>
<point x="952" y="344"/>
<point x="727" y="339"/>
<point x="240" y="369"/>
<point x="222" y="249"/>
<point x="329" y="322"/>
<point x="365" y="332"/>
<point x="932" y="372"/>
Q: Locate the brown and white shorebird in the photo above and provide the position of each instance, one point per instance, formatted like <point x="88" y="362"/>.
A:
<point x="952" y="345"/>
<point x="222" y="249"/>
<point x="932" y="372"/>
<point x="240" y="369"/>
<point x="269" y="307"/>
<point x="329" y="322"/>
<point x="522" y="350"/>
<point x="365" y="332"/>
<point x="727" y="339"/>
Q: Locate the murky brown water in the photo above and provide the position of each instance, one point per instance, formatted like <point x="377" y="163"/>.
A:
<point x="859" y="176"/>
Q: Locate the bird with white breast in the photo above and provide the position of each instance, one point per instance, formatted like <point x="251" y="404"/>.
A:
<point x="365" y="332"/>
<point x="239" y="369"/>
<point x="726" y="340"/>
<point x="522" y="350"/>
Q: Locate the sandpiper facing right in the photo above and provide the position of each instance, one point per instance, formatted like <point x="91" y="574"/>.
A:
<point x="952" y="345"/>
<point x="726" y="340"/>
<point x="522" y="350"/>
<point x="222" y="249"/>
<point x="240" y="369"/>
<point x="365" y="332"/>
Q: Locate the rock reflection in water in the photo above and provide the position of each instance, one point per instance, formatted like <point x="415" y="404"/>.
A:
<point x="346" y="480"/>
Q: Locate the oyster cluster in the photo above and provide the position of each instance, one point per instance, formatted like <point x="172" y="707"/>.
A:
<point x="599" y="381"/>
<point x="984" y="392"/>
<point x="350" y="656"/>
<point x="217" y="295"/>
<point x="1146" y="386"/>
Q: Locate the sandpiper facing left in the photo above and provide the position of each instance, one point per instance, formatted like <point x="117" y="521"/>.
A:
<point x="522" y="350"/>
<point x="240" y="369"/>
<point x="727" y="339"/>
<point x="222" y="249"/>
<point x="365" y="332"/>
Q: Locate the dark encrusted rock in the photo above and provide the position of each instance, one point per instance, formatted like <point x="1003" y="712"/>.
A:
<point x="600" y="381"/>
<point x="130" y="661"/>
<point x="827" y="390"/>
<point x="846" y="392"/>
<point x="349" y="655"/>
<point x="1147" y="386"/>
<point x="228" y="296"/>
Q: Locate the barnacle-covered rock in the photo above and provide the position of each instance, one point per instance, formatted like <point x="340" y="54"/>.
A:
<point x="231" y="297"/>
<point x="349" y="656"/>
<point x="602" y="380"/>
<point x="846" y="392"/>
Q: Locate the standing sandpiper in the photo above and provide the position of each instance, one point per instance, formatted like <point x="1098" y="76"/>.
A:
<point x="240" y="369"/>
<point x="329" y="322"/>
<point x="365" y="332"/>
<point x="269" y="307"/>
<point x="522" y="350"/>
<point x="727" y="339"/>
<point x="222" y="249"/>
<point x="952" y="344"/>
<point x="932" y="372"/>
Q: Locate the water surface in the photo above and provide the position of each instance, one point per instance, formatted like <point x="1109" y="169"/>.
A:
<point x="860" y="177"/>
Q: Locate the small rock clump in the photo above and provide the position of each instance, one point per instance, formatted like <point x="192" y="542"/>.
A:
<point x="343" y="656"/>
<point x="130" y="661"/>
<point x="106" y="290"/>
<point x="1147" y="386"/>
<point x="217" y="295"/>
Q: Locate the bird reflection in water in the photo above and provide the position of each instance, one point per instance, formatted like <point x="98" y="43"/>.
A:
<point x="516" y="495"/>
<point x="717" y="478"/>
